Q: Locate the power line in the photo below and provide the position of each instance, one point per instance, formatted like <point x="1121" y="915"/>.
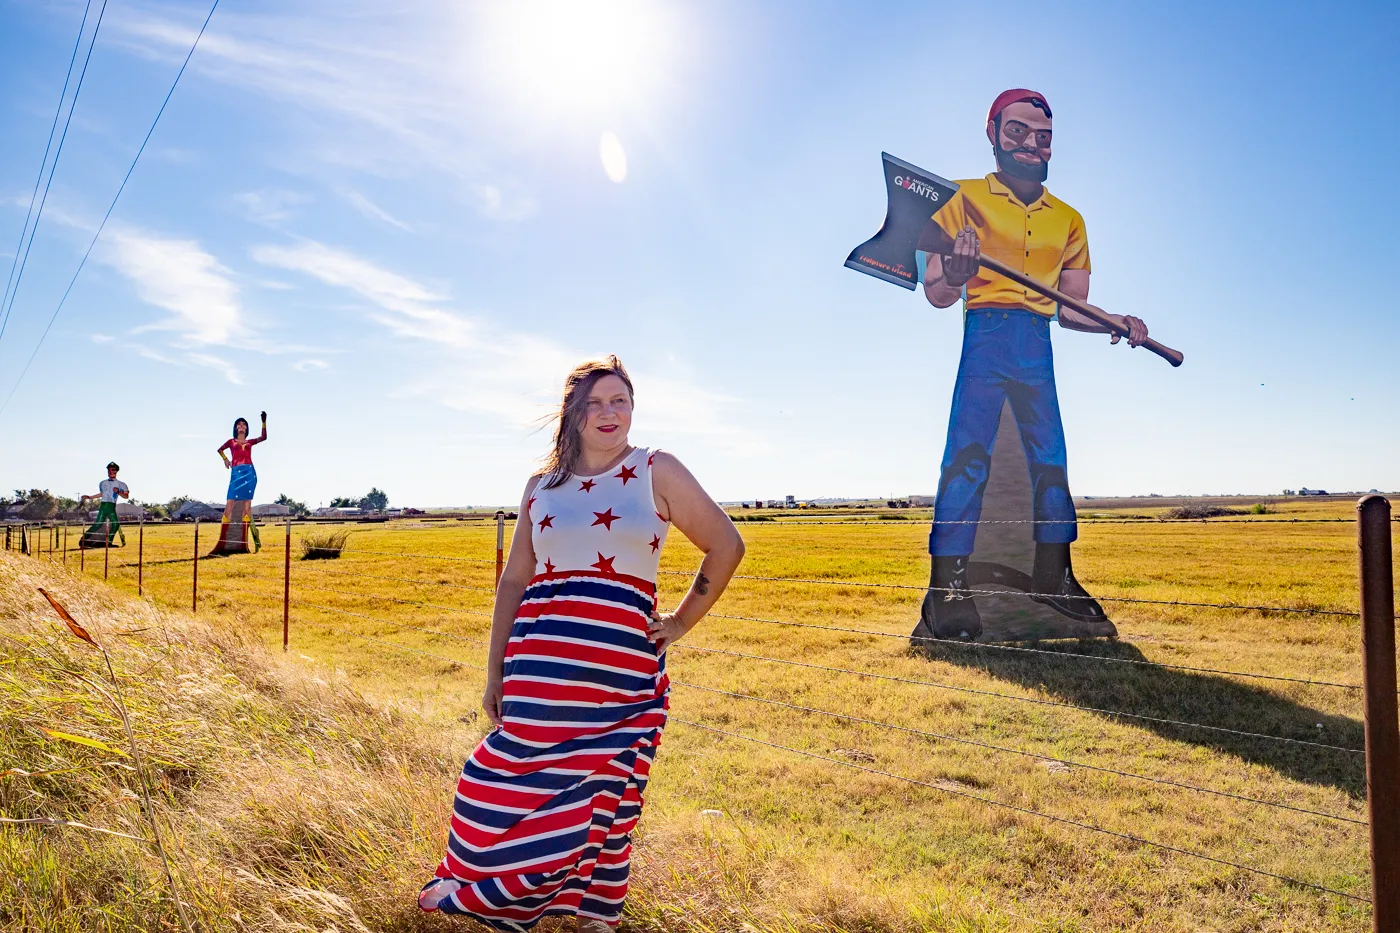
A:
<point x="111" y="207"/>
<point x="78" y="89"/>
<point x="1029" y="812"/>
<point x="53" y="128"/>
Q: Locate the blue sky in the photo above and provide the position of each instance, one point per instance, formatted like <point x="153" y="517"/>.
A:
<point x="389" y="225"/>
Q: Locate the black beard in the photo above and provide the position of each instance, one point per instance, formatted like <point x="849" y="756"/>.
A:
<point x="1023" y="170"/>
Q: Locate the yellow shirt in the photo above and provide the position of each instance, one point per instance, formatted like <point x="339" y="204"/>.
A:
<point x="1041" y="240"/>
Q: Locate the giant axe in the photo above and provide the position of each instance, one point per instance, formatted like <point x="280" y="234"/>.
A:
<point x="889" y="254"/>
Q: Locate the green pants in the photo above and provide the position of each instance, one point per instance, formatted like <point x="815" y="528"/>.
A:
<point x="101" y="532"/>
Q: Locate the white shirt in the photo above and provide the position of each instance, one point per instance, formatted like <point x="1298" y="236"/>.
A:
<point x="110" y="488"/>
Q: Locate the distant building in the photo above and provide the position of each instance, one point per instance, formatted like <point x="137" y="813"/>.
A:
<point x="1312" y="492"/>
<point x="339" y="512"/>
<point x="130" y="512"/>
<point x="791" y="502"/>
<point x="921" y="502"/>
<point x="202" y="511"/>
<point x="271" y="509"/>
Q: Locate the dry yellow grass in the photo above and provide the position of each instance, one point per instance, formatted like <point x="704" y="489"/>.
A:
<point x="803" y="843"/>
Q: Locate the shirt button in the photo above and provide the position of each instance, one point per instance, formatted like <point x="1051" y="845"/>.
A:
<point x="1003" y="315"/>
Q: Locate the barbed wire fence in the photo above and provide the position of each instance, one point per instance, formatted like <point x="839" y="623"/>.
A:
<point x="1380" y="758"/>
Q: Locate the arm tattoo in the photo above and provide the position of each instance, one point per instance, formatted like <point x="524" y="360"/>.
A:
<point x="702" y="583"/>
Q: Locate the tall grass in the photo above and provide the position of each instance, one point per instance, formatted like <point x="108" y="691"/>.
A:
<point x="324" y="546"/>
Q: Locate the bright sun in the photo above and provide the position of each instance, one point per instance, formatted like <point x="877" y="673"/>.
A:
<point x="588" y="55"/>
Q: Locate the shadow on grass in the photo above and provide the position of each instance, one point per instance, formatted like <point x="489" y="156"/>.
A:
<point x="1186" y="696"/>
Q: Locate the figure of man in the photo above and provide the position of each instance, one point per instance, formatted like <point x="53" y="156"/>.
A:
<point x="107" y="527"/>
<point x="1006" y="356"/>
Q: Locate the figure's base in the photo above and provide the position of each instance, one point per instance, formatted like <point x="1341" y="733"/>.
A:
<point x="237" y="533"/>
<point x="1015" y="617"/>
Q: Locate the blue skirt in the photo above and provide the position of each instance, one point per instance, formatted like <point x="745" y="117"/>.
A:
<point x="242" y="481"/>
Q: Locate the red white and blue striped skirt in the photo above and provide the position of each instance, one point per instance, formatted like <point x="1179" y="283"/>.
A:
<point x="546" y="804"/>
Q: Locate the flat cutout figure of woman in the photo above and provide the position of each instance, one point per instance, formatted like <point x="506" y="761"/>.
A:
<point x="237" y="533"/>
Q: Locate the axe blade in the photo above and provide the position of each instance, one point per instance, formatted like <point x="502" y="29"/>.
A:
<point x="913" y="195"/>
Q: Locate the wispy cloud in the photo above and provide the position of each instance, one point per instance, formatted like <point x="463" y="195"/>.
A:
<point x="373" y="211"/>
<point x="310" y="366"/>
<point x="405" y="96"/>
<point x="269" y="206"/>
<point x="179" y="276"/>
<point x="493" y="370"/>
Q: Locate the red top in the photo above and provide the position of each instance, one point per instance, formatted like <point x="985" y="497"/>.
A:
<point x="242" y="450"/>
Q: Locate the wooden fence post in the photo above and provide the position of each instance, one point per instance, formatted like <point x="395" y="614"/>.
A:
<point x="1382" y="721"/>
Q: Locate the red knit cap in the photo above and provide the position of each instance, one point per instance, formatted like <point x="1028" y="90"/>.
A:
<point x="1007" y="98"/>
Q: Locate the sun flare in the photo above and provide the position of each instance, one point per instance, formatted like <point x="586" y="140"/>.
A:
<point x="586" y="54"/>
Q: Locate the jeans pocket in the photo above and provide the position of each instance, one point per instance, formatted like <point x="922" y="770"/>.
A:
<point x="982" y="323"/>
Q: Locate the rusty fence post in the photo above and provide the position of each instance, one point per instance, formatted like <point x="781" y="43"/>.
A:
<point x="141" y="557"/>
<point x="65" y="544"/>
<point x="106" y="550"/>
<point x="500" y="545"/>
<point x="194" y="582"/>
<point x="1382" y="722"/>
<point x="287" y="585"/>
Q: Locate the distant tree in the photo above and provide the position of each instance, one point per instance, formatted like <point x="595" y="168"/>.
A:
<point x="376" y="500"/>
<point x="344" y="502"/>
<point x="298" y="509"/>
<point x="39" y="504"/>
<point x="174" y="504"/>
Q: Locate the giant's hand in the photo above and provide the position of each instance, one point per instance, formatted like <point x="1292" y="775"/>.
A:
<point x="962" y="265"/>
<point x="1137" y="330"/>
<point x="264" y="417"/>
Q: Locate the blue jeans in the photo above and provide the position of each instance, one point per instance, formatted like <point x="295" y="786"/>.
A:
<point x="1005" y="355"/>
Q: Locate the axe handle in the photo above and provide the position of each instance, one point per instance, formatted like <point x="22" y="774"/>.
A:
<point x="1054" y="294"/>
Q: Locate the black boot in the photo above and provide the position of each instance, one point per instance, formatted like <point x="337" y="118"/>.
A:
<point x="1054" y="585"/>
<point x="948" y="610"/>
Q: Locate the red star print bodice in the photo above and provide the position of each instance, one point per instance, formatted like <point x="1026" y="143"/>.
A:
<point x="605" y="523"/>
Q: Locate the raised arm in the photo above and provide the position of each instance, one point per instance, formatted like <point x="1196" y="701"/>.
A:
<point x="680" y="498"/>
<point x="263" y="436"/>
<point x="515" y="576"/>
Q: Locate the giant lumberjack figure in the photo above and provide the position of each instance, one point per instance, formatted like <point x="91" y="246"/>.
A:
<point x="1009" y="217"/>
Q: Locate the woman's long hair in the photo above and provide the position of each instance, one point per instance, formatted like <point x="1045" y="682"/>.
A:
<point x="573" y="412"/>
<point x="246" y="429"/>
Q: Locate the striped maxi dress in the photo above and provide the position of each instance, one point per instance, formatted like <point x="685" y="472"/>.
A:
<point x="546" y="804"/>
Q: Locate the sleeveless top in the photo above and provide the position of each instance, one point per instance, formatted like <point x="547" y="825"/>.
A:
<point x="606" y="523"/>
<point x="242" y="450"/>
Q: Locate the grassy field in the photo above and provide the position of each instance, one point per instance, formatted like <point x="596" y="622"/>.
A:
<point x="367" y="696"/>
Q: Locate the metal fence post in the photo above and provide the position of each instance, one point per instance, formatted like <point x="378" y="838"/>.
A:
<point x="287" y="585"/>
<point x="1382" y="721"/>
<point x="141" y="557"/>
<point x="106" y="550"/>
<point x="194" y="582"/>
<point x="500" y="545"/>
<point x="65" y="544"/>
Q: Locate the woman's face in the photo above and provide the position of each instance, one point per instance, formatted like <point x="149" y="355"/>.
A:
<point x="240" y="430"/>
<point x="609" y="415"/>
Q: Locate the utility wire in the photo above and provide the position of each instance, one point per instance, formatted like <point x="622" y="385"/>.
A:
<point x="78" y="89"/>
<point x="1029" y="812"/>
<point x="111" y="207"/>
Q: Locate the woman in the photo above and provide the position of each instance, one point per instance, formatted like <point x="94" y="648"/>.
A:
<point x="238" y="534"/>
<point x="576" y="678"/>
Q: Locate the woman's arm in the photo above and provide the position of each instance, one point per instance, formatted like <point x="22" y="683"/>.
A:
<point x="263" y="436"/>
<point x="222" y="456"/>
<point x="518" y="571"/>
<point x="680" y="497"/>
